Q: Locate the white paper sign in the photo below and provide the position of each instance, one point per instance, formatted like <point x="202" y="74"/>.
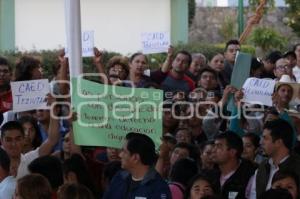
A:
<point x="29" y="95"/>
<point x="155" y="42"/>
<point x="258" y="91"/>
<point x="87" y="44"/>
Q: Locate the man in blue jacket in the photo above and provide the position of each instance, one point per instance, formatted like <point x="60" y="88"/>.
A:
<point x="140" y="179"/>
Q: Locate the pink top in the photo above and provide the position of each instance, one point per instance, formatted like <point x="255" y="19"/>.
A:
<point x="176" y="191"/>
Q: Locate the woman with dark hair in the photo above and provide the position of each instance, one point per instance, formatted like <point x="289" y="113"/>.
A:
<point x="137" y="73"/>
<point x="180" y="176"/>
<point x="117" y="69"/>
<point x="75" y="171"/>
<point x="217" y="64"/>
<point x="251" y="147"/>
<point x="74" y="191"/>
<point x="28" y="68"/>
<point x="33" y="186"/>
<point x="137" y="66"/>
<point x="199" y="187"/>
<point x="32" y="133"/>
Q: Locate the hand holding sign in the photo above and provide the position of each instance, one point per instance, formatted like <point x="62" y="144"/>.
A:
<point x="30" y="95"/>
<point x="238" y="96"/>
<point x="63" y="61"/>
<point x="87" y="41"/>
<point x="170" y="52"/>
<point x="227" y="91"/>
<point x="98" y="56"/>
<point x="259" y="91"/>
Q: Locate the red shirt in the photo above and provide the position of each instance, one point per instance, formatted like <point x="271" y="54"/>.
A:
<point x="6" y="101"/>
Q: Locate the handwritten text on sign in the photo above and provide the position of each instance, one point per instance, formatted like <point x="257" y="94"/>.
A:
<point x="258" y="91"/>
<point x="87" y="47"/>
<point x="155" y="42"/>
<point x="107" y="113"/>
<point x="88" y="44"/>
<point x="30" y="95"/>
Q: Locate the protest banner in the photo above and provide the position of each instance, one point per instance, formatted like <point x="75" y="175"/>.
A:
<point x="258" y="91"/>
<point x="107" y="113"/>
<point x="30" y="95"/>
<point x="155" y="42"/>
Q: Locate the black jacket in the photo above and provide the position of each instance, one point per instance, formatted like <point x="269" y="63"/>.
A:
<point x="292" y="164"/>
<point x="237" y="183"/>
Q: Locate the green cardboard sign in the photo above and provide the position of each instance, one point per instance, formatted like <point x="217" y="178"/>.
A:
<point x="107" y="113"/>
<point x="240" y="73"/>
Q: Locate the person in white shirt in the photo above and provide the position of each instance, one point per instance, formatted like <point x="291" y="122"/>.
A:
<point x="12" y="139"/>
<point x="296" y="69"/>
<point x="277" y="142"/>
<point x="7" y="182"/>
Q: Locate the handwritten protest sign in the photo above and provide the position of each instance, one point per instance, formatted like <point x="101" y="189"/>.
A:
<point x="258" y="90"/>
<point x="107" y="113"/>
<point x="30" y="95"/>
<point x="155" y="42"/>
<point x="87" y="43"/>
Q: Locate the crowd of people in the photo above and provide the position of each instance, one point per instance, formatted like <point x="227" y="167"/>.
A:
<point x="207" y="151"/>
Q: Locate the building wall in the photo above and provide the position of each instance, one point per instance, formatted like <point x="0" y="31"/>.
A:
<point x="231" y="3"/>
<point x="117" y="24"/>
<point x="208" y="22"/>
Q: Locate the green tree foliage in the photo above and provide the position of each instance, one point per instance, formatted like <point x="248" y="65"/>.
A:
<point x="293" y="14"/>
<point x="228" y="28"/>
<point x="267" y="39"/>
<point x="49" y="58"/>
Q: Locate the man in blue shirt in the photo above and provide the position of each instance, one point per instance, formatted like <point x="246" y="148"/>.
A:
<point x="140" y="179"/>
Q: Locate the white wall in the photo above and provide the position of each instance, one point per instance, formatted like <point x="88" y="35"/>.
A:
<point x="40" y="24"/>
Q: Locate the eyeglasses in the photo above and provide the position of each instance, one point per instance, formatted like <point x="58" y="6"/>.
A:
<point x="285" y="67"/>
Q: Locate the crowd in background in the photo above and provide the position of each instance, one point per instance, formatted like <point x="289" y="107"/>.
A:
<point x="206" y="152"/>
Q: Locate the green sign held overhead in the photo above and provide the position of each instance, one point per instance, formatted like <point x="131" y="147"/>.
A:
<point x="107" y="113"/>
<point x="240" y="73"/>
